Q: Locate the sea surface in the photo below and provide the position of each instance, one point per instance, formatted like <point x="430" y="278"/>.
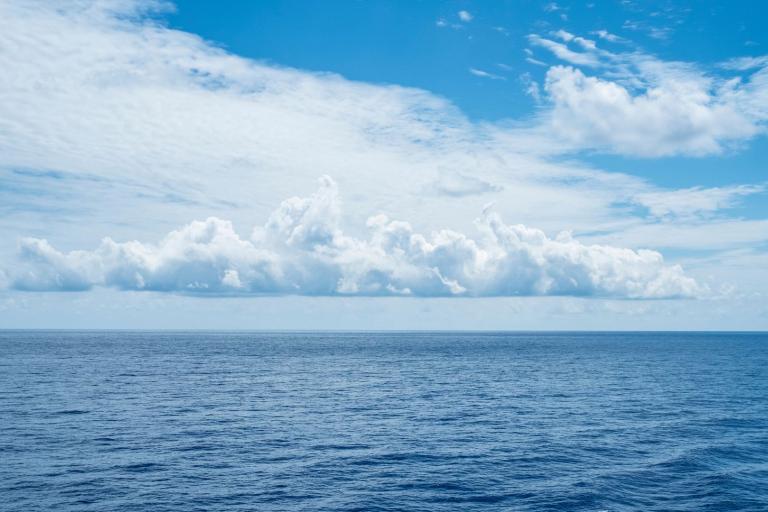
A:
<point x="233" y="421"/>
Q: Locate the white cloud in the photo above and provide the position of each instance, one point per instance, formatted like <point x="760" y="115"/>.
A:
<point x="302" y="250"/>
<point x="659" y="32"/>
<point x="680" y="114"/>
<point x="485" y="74"/>
<point x="460" y="185"/>
<point x="532" y="88"/>
<point x="564" y="35"/>
<point x="638" y="105"/>
<point x="586" y="44"/>
<point x="654" y="31"/>
<point x="746" y="63"/>
<point x="706" y="235"/>
<point x="464" y="17"/>
<point x="443" y="23"/>
<point x="607" y="36"/>
<point x="695" y="201"/>
<point x="561" y="51"/>
<point x="535" y="62"/>
<point x="531" y="60"/>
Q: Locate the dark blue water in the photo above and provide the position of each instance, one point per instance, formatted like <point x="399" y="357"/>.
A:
<point x="119" y="421"/>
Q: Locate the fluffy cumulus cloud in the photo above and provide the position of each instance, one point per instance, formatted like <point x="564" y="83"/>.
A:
<point x="675" y="117"/>
<point x="302" y="250"/>
<point x="634" y="104"/>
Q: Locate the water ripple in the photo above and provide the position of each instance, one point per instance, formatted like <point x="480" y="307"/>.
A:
<point x="136" y="421"/>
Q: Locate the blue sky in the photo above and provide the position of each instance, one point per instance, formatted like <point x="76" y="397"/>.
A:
<point x="478" y="165"/>
<point x="395" y="43"/>
<point x="400" y="43"/>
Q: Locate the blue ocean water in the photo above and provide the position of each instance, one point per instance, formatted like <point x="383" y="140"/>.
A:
<point x="150" y="421"/>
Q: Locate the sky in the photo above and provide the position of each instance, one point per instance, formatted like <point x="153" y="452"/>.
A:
<point x="377" y="165"/>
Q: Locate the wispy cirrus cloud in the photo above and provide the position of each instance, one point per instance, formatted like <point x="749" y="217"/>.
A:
<point x="563" y="52"/>
<point x="485" y="74"/>
<point x="695" y="201"/>
<point x="746" y="63"/>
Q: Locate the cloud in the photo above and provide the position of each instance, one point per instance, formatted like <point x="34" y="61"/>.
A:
<point x="535" y="62"/>
<point x="691" y="235"/>
<point x="695" y="201"/>
<point x="532" y="88"/>
<point x="659" y="32"/>
<point x="635" y="104"/>
<point x="607" y="36"/>
<point x="680" y="114"/>
<point x="564" y="35"/>
<point x="653" y="31"/>
<point x="485" y="74"/>
<point x="746" y="63"/>
<point x="301" y="250"/>
<point x="464" y="17"/>
<point x="531" y="60"/>
<point x="587" y="44"/>
<point x="461" y="185"/>
<point x="443" y="23"/>
<point x="561" y="51"/>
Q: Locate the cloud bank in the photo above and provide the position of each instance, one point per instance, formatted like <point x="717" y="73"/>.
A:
<point x="301" y="250"/>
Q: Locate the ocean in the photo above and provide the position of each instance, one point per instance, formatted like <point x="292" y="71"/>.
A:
<point x="407" y="421"/>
